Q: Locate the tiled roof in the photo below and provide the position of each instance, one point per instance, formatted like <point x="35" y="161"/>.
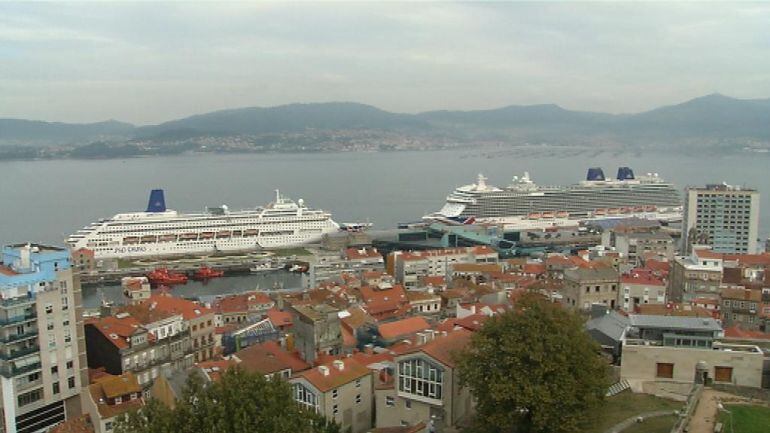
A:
<point x="444" y="348"/>
<point x="146" y="313"/>
<point x="738" y="333"/>
<point x="742" y="294"/>
<point x="116" y="330"/>
<point x="643" y="277"/>
<point x="116" y="386"/>
<point x="403" y="328"/>
<point x="242" y="302"/>
<point x="279" y="318"/>
<point x="188" y="309"/>
<point x="213" y="369"/>
<point x="357" y="318"/>
<point x="433" y="280"/>
<point x="81" y="424"/>
<point x="351" y="371"/>
<point x="362" y="253"/>
<point x="672" y="309"/>
<point x="414" y="295"/>
<point x="269" y="358"/>
<point x="476" y="267"/>
<point x="107" y="411"/>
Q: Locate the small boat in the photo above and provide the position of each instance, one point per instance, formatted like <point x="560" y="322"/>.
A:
<point x="534" y="216"/>
<point x="162" y="276"/>
<point x="650" y="208"/>
<point x="548" y="214"/>
<point x="149" y="239"/>
<point x="205" y="273"/>
<point x="207" y="235"/>
<point x="613" y="211"/>
<point x="562" y="214"/>
<point x="223" y="234"/>
<point x="188" y="237"/>
<point x="264" y="267"/>
<point x="130" y="240"/>
<point x="298" y="267"/>
<point x="250" y="232"/>
<point x="638" y="208"/>
<point x="600" y="212"/>
<point x="167" y="238"/>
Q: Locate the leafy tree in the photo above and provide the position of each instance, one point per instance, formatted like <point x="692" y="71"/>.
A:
<point x="240" y="402"/>
<point x="534" y="370"/>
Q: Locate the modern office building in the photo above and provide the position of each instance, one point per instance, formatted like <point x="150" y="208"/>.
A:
<point x="723" y="216"/>
<point x="42" y="348"/>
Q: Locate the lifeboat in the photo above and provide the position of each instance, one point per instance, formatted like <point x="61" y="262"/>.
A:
<point x="535" y="216"/>
<point x="650" y="208"/>
<point x="207" y="235"/>
<point x="149" y="239"/>
<point x="237" y="233"/>
<point x="223" y="234"/>
<point x="625" y="210"/>
<point x="167" y="238"/>
<point x="562" y="214"/>
<point x="188" y="237"/>
<point x="251" y="232"/>
<point x="638" y="208"/>
<point x="600" y="212"/>
<point x="205" y="273"/>
<point x="548" y="214"/>
<point x="613" y="211"/>
<point x="130" y="240"/>
<point x="162" y="276"/>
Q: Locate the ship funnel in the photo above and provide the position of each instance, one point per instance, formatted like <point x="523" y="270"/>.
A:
<point x="625" y="173"/>
<point x="157" y="202"/>
<point x="595" y="173"/>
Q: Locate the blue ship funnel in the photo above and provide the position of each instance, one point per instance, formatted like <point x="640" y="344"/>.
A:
<point x="625" y="173"/>
<point x="157" y="202"/>
<point x="595" y="173"/>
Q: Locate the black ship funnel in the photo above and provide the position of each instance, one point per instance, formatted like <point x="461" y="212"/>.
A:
<point x="625" y="173"/>
<point x="595" y="173"/>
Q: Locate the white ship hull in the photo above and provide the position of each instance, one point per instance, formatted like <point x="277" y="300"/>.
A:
<point x="160" y="232"/>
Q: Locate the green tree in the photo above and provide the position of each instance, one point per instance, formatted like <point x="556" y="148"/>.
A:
<point x="240" y="402"/>
<point x="534" y="370"/>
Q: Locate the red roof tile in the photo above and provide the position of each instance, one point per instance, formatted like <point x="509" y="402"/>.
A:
<point x="403" y="328"/>
<point x="269" y="358"/>
<point x="351" y="371"/>
<point x="444" y="348"/>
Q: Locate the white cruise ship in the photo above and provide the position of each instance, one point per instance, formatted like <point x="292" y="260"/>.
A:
<point x="596" y="196"/>
<point x="163" y="232"/>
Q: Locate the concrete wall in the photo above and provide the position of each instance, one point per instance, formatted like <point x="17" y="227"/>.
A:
<point x="639" y="364"/>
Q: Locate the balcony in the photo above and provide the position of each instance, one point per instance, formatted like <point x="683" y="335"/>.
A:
<point x="11" y="371"/>
<point x="18" y="319"/>
<point x="19" y="337"/>
<point x="14" y="354"/>
<point x="16" y="302"/>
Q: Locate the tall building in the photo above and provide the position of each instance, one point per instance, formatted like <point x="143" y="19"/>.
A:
<point x="723" y="216"/>
<point x="42" y="348"/>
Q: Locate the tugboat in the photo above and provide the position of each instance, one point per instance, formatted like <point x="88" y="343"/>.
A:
<point x="206" y="273"/>
<point x="162" y="276"/>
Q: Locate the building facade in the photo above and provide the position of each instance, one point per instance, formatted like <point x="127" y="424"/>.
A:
<point x="723" y="216"/>
<point x="586" y="286"/>
<point x="42" y="349"/>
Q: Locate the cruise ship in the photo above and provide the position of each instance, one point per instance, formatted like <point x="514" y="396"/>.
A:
<point x="596" y="196"/>
<point x="164" y="232"/>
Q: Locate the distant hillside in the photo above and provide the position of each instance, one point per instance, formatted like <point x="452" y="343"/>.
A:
<point x="288" y="118"/>
<point x="708" y="120"/>
<point x="33" y="132"/>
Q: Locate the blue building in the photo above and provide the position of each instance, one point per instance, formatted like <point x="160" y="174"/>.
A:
<point x="41" y="338"/>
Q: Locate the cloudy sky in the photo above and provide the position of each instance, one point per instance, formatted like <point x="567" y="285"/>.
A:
<point x="147" y="63"/>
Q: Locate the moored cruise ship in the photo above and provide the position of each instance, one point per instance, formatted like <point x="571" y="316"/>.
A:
<point x="163" y="232"/>
<point x="594" y="197"/>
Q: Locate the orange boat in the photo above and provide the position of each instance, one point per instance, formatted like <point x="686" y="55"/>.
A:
<point x="162" y="276"/>
<point x="205" y="273"/>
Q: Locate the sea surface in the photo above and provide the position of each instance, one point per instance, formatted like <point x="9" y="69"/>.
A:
<point x="44" y="201"/>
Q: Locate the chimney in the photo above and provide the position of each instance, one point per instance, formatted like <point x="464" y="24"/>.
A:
<point x="24" y="256"/>
<point x="339" y="365"/>
<point x="324" y="370"/>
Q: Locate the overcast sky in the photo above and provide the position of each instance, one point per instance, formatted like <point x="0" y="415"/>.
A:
<point x="147" y="63"/>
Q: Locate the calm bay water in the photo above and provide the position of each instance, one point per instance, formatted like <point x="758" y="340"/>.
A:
<point x="43" y="201"/>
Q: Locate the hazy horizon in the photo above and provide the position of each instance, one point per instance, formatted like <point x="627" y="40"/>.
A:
<point x="147" y="63"/>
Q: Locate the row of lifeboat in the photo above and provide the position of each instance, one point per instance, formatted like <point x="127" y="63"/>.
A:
<point x="547" y="215"/>
<point x="625" y="210"/>
<point x="164" y="277"/>
<point x="225" y="234"/>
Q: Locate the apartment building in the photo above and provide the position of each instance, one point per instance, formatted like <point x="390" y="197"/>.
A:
<point x="640" y="287"/>
<point x="317" y="330"/>
<point x="410" y="267"/>
<point x="725" y="217"/>
<point x="42" y="349"/>
<point x="594" y="285"/>
<point x="741" y="307"/>
<point x="426" y="385"/>
<point x="340" y="391"/>
<point x="634" y="243"/>
<point x="111" y="397"/>
<point x="697" y="275"/>
<point x="240" y="308"/>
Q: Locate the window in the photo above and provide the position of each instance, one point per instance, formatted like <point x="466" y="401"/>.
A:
<point x="389" y="401"/>
<point x="118" y="400"/>
<point x="723" y="374"/>
<point x="56" y="387"/>
<point x="335" y="410"/>
<point x="29" y="397"/>
<point x="358" y="383"/>
<point x="358" y="398"/>
<point x="665" y="370"/>
<point x="48" y="308"/>
<point x="69" y="365"/>
<point x="55" y="370"/>
<point x="49" y="326"/>
<point x="420" y="377"/>
<point x="305" y="397"/>
<point x="335" y="393"/>
<point x="108" y="426"/>
<point x="71" y="382"/>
